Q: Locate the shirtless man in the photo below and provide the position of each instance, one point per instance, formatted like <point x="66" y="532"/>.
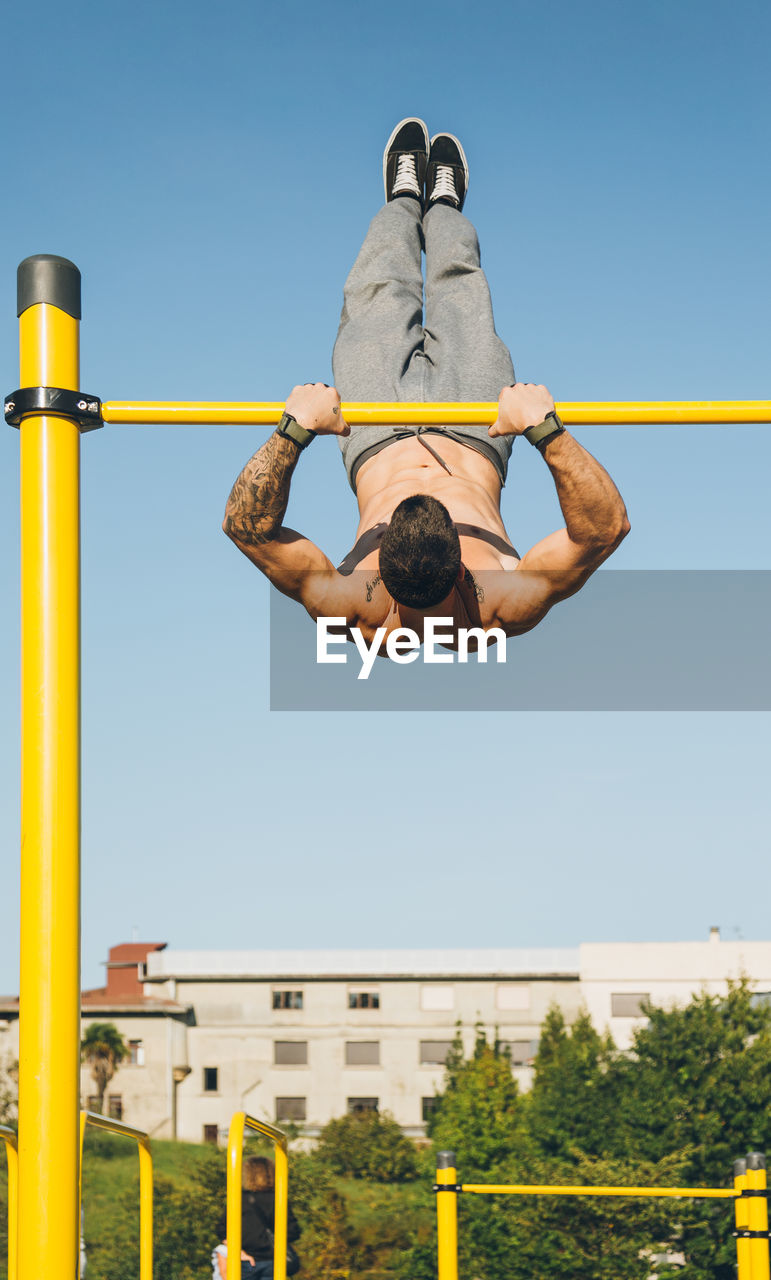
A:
<point x="430" y="539"/>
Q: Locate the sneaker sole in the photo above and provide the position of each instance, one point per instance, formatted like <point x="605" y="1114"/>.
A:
<point x="461" y="152"/>
<point x="389" y="144"/>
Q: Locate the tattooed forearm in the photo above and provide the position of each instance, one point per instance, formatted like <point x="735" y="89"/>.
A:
<point x="373" y="582"/>
<point x="258" y="500"/>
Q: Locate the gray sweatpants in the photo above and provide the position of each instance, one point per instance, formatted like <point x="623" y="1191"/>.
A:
<point x="386" y="350"/>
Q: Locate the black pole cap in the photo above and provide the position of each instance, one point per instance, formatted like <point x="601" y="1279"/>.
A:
<point x="740" y="1167"/>
<point x="445" y="1160"/>
<point x="46" y="278"/>
<point x="756" y="1160"/>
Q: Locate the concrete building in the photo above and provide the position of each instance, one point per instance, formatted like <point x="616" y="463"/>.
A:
<point x="304" y="1036"/>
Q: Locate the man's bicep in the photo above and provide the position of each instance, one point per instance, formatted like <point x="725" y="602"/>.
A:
<point x="563" y="564"/>
<point x="288" y="560"/>
<point x="552" y="570"/>
<point x="301" y="570"/>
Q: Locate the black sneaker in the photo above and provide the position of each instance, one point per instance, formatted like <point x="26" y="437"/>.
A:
<point x="447" y="174"/>
<point x="405" y="159"/>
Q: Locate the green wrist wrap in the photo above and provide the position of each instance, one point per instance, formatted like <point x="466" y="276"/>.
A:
<point x="290" y="429"/>
<point x="543" y="432"/>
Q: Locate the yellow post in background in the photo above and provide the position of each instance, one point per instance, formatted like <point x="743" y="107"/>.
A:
<point x="239" y="1123"/>
<point x="145" y="1182"/>
<point x="741" y="1207"/>
<point x="49" y="1032"/>
<point x="447" y="1216"/>
<point x="12" y="1158"/>
<point x="758" y="1215"/>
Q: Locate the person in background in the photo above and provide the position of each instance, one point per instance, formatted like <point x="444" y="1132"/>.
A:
<point x="257" y="1224"/>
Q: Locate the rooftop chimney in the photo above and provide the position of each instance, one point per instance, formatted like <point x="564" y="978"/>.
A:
<point x="714" y="933"/>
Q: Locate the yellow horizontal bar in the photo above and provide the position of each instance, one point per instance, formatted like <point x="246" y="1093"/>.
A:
<point x="702" y="1193"/>
<point x="9" y="1137"/>
<point x="268" y="1130"/>
<point x="438" y="413"/>
<point x="97" y="1121"/>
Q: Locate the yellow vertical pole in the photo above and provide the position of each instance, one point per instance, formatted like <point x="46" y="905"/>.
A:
<point x="447" y="1216"/>
<point x="758" y="1215"/>
<point x="145" y="1211"/>
<point x="741" y="1208"/>
<point x="12" y="1158"/>
<point x="280" y="1213"/>
<point x="233" y="1195"/>
<point x="49" y="1033"/>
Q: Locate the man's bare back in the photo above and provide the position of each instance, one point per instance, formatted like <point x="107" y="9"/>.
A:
<point x="493" y="587"/>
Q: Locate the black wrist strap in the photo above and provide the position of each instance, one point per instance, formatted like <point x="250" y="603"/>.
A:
<point x="290" y="429"/>
<point x="543" y="432"/>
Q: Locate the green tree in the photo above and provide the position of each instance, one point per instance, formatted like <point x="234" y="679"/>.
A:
<point x="479" y="1115"/>
<point x="595" y="1237"/>
<point x="698" y="1081"/>
<point x="103" y="1048"/>
<point x="370" y="1145"/>
<point x="573" y="1098"/>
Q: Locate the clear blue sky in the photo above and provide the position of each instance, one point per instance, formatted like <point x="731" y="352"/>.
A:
<point x="212" y="169"/>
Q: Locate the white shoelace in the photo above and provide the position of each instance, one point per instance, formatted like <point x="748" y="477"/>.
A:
<point x="406" y="175"/>
<point x="444" y="184"/>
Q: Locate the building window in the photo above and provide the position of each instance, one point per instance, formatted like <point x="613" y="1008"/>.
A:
<point x="92" y="1102"/>
<point x="437" y="999"/>
<point x="428" y="1107"/>
<point x="357" y="1106"/>
<point x="362" y="1053"/>
<point x="290" y="1053"/>
<point x="512" y="995"/>
<point x="211" y="1133"/>
<point x="115" y="1106"/>
<point x="287" y="999"/>
<point x="211" y="1079"/>
<point x="136" y="1053"/>
<point x="290" y="1109"/>
<point x="627" y="1004"/>
<point x="434" y="1052"/>
<point x="364" y="999"/>
<point x="521" y="1052"/>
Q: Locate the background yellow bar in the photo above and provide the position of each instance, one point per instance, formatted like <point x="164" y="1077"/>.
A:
<point x="703" y="1193"/>
<point x="12" y="1157"/>
<point x="357" y="413"/>
<point x="742" y="1210"/>
<point x="758" y="1216"/>
<point x="49" y="1032"/>
<point x="447" y="1221"/>
<point x="239" y="1123"/>
<point x="97" y="1121"/>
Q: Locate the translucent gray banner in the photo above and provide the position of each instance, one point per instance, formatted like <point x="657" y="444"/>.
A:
<point x="631" y="640"/>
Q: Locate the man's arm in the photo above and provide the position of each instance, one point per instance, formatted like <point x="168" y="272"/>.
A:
<point x="259" y="498"/>
<point x="595" y="516"/>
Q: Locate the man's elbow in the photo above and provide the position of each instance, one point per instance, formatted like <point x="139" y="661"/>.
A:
<point x="235" y="530"/>
<point x="621" y="529"/>
<point x="606" y="540"/>
<point x="616" y="528"/>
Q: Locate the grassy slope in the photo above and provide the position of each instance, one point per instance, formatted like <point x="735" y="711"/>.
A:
<point x="383" y="1219"/>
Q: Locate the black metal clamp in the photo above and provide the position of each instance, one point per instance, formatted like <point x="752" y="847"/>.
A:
<point x="448" y="1186"/>
<point x="86" y="410"/>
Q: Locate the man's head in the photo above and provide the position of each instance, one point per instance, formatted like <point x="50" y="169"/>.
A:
<point x="420" y="553"/>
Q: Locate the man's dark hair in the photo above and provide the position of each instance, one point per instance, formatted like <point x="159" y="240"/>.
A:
<point x="420" y="553"/>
